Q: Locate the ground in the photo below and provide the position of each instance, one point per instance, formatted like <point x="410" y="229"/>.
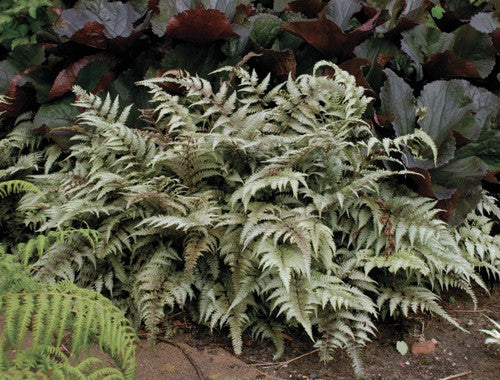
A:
<point x="194" y="354"/>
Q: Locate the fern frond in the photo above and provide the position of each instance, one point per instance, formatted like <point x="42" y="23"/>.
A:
<point x="294" y="303"/>
<point x="195" y="245"/>
<point x="50" y="312"/>
<point x="156" y="286"/>
<point x="268" y="330"/>
<point x="415" y="299"/>
<point x="95" y="106"/>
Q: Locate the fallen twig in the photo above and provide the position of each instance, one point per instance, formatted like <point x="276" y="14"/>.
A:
<point x="286" y="362"/>
<point x="262" y="372"/>
<point x="458" y="375"/>
<point x="199" y="372"/>
<point x="467" y="311"/>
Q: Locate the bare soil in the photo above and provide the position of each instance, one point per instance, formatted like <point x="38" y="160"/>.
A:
<point x="194" y="354"/>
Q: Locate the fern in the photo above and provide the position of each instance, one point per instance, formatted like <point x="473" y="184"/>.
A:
<point x="242" y="204"/>
<point x="47" y="314"/>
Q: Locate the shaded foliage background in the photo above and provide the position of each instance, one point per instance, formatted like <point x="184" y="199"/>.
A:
<point x="427" y="64"/>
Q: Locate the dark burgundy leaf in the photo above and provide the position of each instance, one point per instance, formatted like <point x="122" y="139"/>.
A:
<point x="490" y="177"/>
<point x="61" y="135"/>
<point x="447" y="200"/>
<point x="423" y="182"/>
<point x="171" y="87"/>
<point x="104" y="82"/>
<point x="19" y="100"/>
<point x="369" y="25"/>
<point x="164" y="11"/>
<point x="449" y="65"/>
<point x="448" y="206"/>
<point x="383" y="120"/>
<point x="324" y="35"/>
<point x="101" y="24"/>
<point x="310" y="8"/>
<point x="92" y="34"/>
<point x="154" y="5"/>
<point x="384" y="59"/>
<point x="21" y="93"/>
<point x="460" y="139"/>
<point x="495" y="39"/>
<point x="66" y="79"/>
<point x="321" y="33"/>
<point x="200" y="26"/>
<point x="354" y="67"/>
<point x="279" y="63"/>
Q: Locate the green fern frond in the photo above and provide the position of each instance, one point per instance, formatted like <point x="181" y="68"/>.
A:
<point x="18" y="186"/>
<point x="47" y="313"/>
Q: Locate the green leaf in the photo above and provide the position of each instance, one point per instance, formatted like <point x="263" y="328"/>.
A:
<point x="437" y="11"/>
<point x="196" y="59"/>
<point x="402" y="347"/>
<point x="287" y="40"/>
<point x="265" y="29"/>
<point x="485" y="109"/>
<point x="91" y="20"/>
<point x="56" y="114"/>
<point x="422" y="41"/>
<point x="487" y="148"/>
<point x="476" y="47"/>
<point x="280" y="5"/>
<point x="371" y="48"/>
<point x="90" y="75"/>
<point x="19" y="59"/>
<point x="236" y="46"/>
<point x="464" y="175"/>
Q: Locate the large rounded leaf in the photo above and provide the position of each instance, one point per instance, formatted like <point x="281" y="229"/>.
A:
<point x="200" y="26"/>
<point x="101" y="24"/>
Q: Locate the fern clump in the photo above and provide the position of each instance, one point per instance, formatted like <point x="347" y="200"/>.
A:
<point x="251" y="203"/>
